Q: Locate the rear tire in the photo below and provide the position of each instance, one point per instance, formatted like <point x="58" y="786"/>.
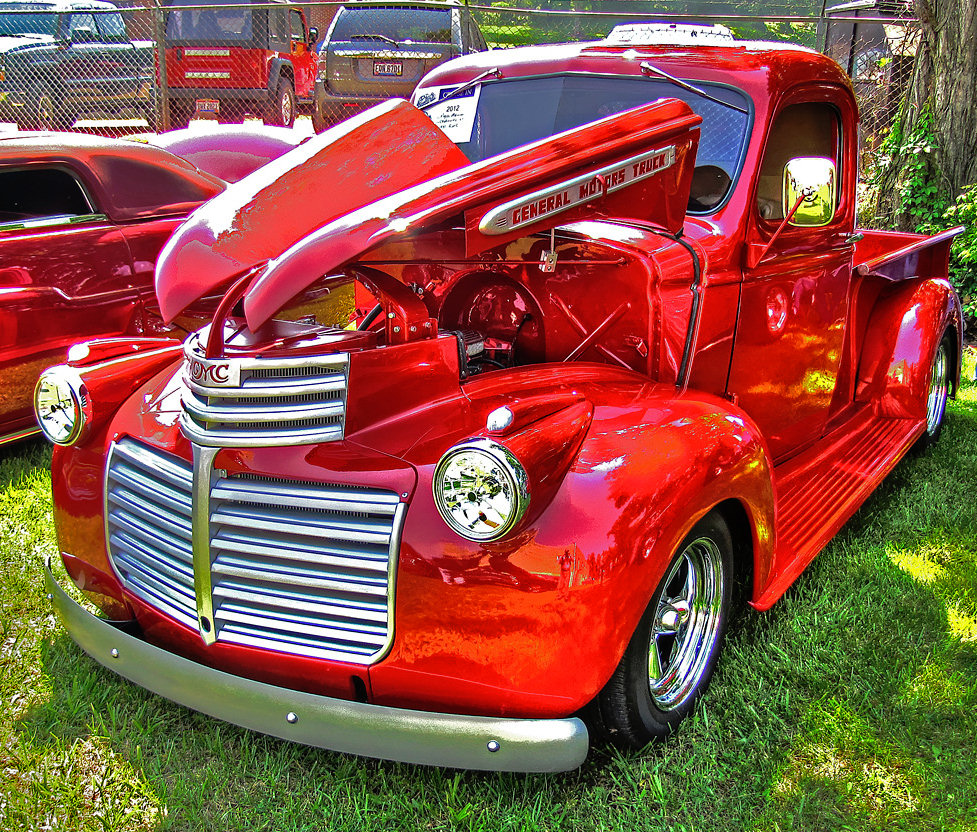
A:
<point x="43" y="113"/>
<point x="937" y="393"/>
<point x="318" y="122"/>
<point x="674" y="649"/>
<point x="281" y="111"/>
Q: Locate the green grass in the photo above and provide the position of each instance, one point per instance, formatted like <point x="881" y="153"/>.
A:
<point x="850" y="705"/>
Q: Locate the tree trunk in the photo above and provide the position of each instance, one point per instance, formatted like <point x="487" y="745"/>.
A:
<point x="944" y="84"/>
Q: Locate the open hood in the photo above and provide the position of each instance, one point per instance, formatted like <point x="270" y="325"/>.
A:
<point x="380" y="152"/>
<point x="633" y="165"/>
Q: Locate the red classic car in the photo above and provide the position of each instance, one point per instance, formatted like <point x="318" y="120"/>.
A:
<point x="82" y="220"/>
<point x="630" y="364"/>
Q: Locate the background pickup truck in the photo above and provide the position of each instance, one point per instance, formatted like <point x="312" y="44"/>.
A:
<point x="62" y="58"/>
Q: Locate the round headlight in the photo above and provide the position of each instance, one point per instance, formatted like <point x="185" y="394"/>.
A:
<point x="61" y="404"/>
<point x="480" y="489"/>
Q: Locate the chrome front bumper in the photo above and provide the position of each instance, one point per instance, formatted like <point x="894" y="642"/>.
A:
<point x="471" y="742"/>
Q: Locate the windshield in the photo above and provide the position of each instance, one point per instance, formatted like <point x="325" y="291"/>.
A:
<point x="520" y="111"/>
<point x="218" y="24"/>
<point x="417" y="25"/>
<point x="28" y="23"/>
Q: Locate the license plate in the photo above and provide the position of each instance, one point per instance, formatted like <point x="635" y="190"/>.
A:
<point x="208" y="105"/>
<point x="387" y="68"/>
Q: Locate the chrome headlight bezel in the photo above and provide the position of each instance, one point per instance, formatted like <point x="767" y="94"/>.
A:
<point x="510" y="472"/>
<point x="60" y="391"/>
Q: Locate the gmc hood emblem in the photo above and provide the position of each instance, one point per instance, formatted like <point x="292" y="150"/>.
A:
<point x="222" y="373"/>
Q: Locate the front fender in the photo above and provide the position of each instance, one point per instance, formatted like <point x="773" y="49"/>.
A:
<point x="536" y="623"/>
<point x="904" y="331"/>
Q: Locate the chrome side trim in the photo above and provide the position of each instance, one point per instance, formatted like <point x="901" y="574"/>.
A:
<point x="17" y="435"/>
<point x="451" y="740"/>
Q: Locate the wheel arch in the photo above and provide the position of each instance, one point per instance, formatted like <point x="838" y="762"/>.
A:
<point x="280" y="68"/>
<point x="745" y="548"/>
<point x="724" y="469"/>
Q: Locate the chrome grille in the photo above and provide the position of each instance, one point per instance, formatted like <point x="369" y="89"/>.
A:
<point x="148" y="527"/>
<point x="280" y="401"/>
<point x="302" y="568"/>
<point x="297" y="567"/>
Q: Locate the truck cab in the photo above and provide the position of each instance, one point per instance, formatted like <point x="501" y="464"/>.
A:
<point x="234" y="59"/>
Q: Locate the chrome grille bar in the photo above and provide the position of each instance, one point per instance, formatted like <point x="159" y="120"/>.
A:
<point x="254" y="402"/>
<point x="298" y="567"/>
<point x="331" y="549"/>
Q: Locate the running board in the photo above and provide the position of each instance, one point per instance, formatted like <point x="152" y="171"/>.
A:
<point x="820" y="489"/>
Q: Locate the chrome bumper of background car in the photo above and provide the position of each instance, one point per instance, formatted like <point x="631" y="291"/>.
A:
<point x="528" y="745"/>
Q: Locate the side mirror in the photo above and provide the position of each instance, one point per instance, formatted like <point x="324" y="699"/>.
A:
<point x="313" y="35"/>
<point x="83" y="34"/>
<point x="816" y="179"/>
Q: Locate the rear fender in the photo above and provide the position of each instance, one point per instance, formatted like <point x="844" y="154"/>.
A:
<point x="279" y="68"/>
<point x="904" y="331"/>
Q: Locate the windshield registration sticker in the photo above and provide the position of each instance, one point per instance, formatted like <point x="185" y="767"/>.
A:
<point x="455" y="115"/>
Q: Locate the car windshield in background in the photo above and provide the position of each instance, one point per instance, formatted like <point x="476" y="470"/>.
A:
<point x="517" y="112"/>
<point x="110" y="25"/>
<point x="28" y="23"/>
<point x="218" y="24"/>
<point x="401" y="24"/>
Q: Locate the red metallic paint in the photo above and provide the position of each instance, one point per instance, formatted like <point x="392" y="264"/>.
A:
<point x="477" y="188"/>
<point x="62" y="283"/>
<point x="896" y="366"/>
<point x="385" y="150"/>
<point x="828" y="363"/>
<point x="232" y="151"/>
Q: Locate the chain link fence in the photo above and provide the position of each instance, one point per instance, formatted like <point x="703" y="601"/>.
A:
<point x="146" y="65"/>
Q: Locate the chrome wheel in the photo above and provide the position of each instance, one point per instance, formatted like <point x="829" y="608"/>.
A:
<point x="286" y="110"/>
<point x="282" y="110"/>
<point x="673" y="651"/>
<point x="939" y="390"/>
<point x="687" y="623"/>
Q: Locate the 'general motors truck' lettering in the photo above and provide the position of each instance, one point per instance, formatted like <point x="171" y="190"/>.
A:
<point x="531" y="208"/>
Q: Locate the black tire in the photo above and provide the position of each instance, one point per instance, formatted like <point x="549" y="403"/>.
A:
<point x="674" y="649"/>
<point x="281" y="110"/>
<point x="179" y="115"/>
<point x="938" y="392"/>
<point x="44" y="113"/>
<point x="318" y="121"/>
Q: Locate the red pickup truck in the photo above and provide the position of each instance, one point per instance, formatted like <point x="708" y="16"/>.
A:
<point x="630" y="365"/>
